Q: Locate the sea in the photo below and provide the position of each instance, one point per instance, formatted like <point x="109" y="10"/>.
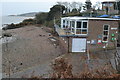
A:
<point x="12" y="19"/>
<point x="5" y="20"/>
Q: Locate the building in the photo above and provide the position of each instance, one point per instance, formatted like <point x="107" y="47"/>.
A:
<point x="110" y="6"/>
<point x="80" y="34"/>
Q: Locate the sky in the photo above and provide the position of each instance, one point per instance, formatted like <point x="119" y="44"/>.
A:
<point x="13" y="7"/>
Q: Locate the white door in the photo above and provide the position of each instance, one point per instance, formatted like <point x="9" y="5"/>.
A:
<point x="79" y="45"/>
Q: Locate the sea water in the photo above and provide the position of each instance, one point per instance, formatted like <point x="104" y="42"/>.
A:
<point x="5" y="20"/>
<point x="12" y="19"/>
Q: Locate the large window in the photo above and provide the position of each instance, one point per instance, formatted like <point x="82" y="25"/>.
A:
<point x="65" y="24"/>
<point x="82" y="27"/>
<point x="105" y="33"/>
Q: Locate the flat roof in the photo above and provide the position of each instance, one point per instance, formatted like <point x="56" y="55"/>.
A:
<point x="110" y="1"/>
<point x="88" y="18"/>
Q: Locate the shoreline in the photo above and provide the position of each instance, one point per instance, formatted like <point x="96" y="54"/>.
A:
<point x="13" y="20"/>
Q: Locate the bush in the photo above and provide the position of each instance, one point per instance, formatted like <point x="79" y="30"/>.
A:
<point x="29" y="21"/>
<point x="22" y="24"/>
<point x="50" y="23"/>
<point x="41" y="18"/>
<point x="61" y="68"/>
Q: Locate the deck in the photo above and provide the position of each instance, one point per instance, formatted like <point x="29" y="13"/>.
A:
<point x="59" y="30"/>
<point x="62" y="32"/>
<point x="66" y="33"/>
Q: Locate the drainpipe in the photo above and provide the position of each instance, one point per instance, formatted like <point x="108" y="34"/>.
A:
<point x="68" y="44"/>
<point x="88" y="54"/>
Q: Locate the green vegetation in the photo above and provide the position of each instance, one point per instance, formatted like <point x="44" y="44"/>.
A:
<point x="55" y="12"/>
<point x="41" y="18"/>
<point x="88" y="5"/>
<point x="47" y="18"/>
<point x="118" y="5"/>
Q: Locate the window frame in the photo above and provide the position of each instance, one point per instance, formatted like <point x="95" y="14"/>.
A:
<point x="82" y="21"/>
<point x="72" y="26"/>
<point x="106" y="35"/>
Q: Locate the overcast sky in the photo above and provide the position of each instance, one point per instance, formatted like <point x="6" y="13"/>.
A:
<point x="12" y="7"/>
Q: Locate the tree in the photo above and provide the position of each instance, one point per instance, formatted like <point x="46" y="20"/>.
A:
<point x="74" y="10"/>
<point x="88" y="4"/>
<point x="55" y="12"/>
<point x="41" y="18"/>
<point x="70" y="6"/>
<point x="66" y="5"/>
<point x="76" y="5"/>
<point x="118" y="6"/>
<point x="97" y="5"/>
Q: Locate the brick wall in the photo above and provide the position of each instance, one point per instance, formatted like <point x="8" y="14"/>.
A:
<point x="95" y="28"/>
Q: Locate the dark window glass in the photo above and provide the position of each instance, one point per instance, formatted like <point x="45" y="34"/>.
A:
<point x="63" y="21"/>
<point x="63" y="26"/>
<point x="67" y="22"/>
<point x="105" y="38"/>
<point x="70" y="23"/>
<point x="105" y="32"/>
<point x="84" y="24"/>
<point x="84" y="31"/>
<point x="105" y="27"/>
<point x="78" y="24"/>
<point x="73" y="23"/>
<point x="73" y="30"/>
<point x="78" y="31"/>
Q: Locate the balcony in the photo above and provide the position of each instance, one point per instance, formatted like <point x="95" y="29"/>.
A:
<point x="67" y="32"/>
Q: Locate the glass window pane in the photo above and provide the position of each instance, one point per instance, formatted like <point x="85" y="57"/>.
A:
<point x="105" y="38"/>
<point x="63" y="26"/>
<point x="73" y="23"/>
<point x="84" y="24"/>
<point x="70" y="23"/>
<point x="84" y="31"/>
<point x="78" y="31"/>
<point x="67" y="22"/>
<point x="78" y="24"/>
<point x="72" y="30"/>
<point x="105" y="27"/>
<point x="111" y="4"/>
<point x="63" y="21"/>
<point x="105" y="32"/>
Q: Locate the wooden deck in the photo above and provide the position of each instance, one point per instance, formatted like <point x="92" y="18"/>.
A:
<point x="62" y="32"/>
<point x="59" y="30"/>
<point x="66" y="33"/>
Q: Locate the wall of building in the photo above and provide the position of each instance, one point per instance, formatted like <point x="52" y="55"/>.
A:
<point x="111" y="7"/>
<point x="96" y="29"/>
